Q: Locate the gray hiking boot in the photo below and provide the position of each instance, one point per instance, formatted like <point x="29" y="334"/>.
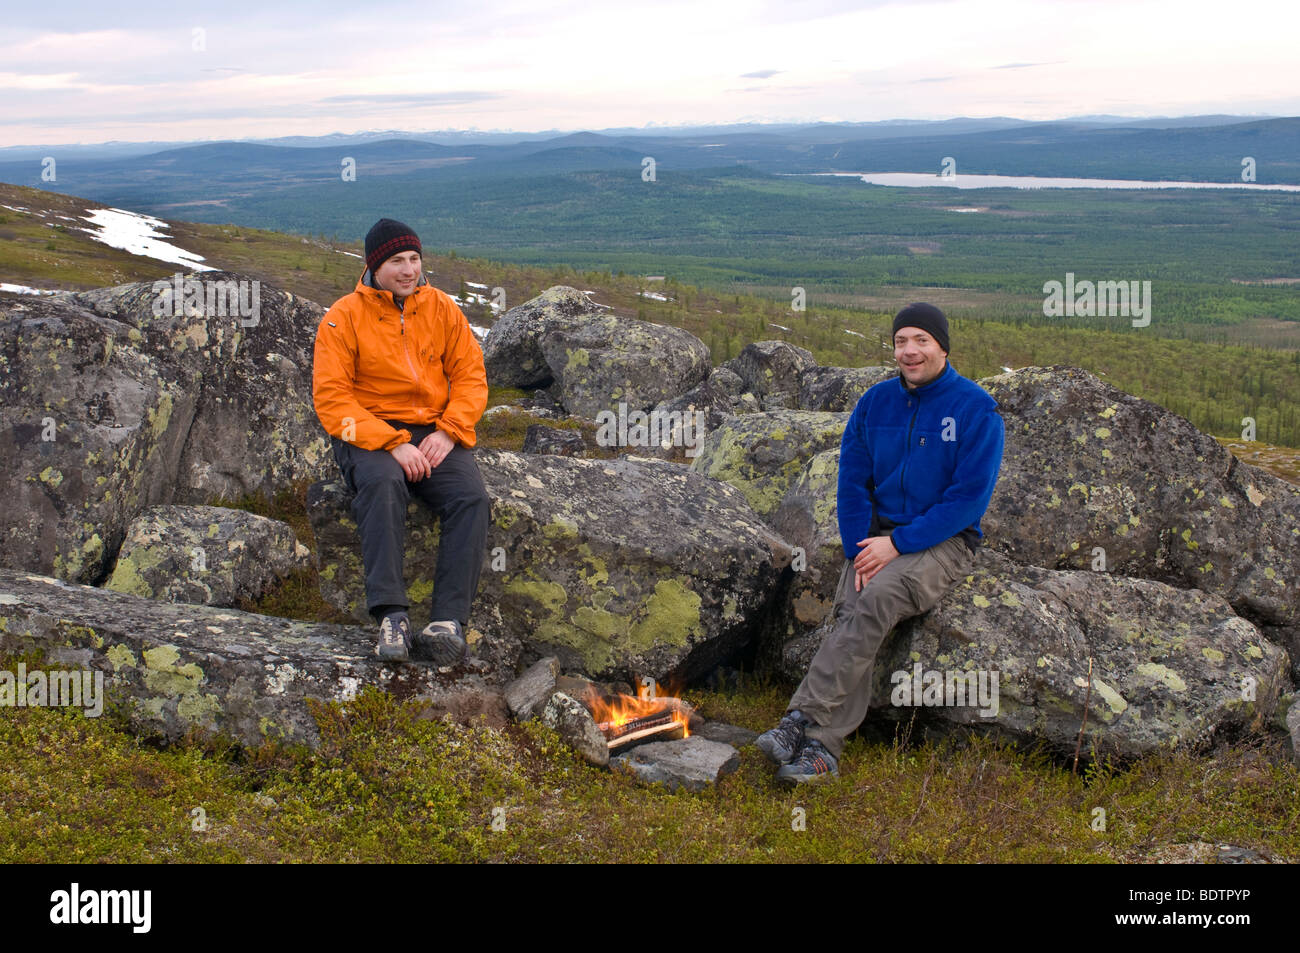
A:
<point x="443" y="642"/>
<point x="394" y="638"/>
<point x="783" y="742"/>
<point x="812" y="765"/>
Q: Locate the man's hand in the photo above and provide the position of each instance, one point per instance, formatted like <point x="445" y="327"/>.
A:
<point x="877" y="552"/>
<point x="435" y="447"/>
<point x="412" y="462"/>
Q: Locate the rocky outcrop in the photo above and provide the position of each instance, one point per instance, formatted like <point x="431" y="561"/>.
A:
<point x="617" y="567"/>
<point x="770" y="371"/>
<point x="180" y="669"/>
<point x="807" y="520"/>
<point x="205" y="554"/>
<point x="1170" y="666"/>
<point x="1091" y="473"/>
<point x="593" y="359"/>
<point x="763" y="454"/>
<point x="838" y="388"/>
<point x="721" y="393"/>
<point x="562" y="443"/>
<point x="110" y="408"/>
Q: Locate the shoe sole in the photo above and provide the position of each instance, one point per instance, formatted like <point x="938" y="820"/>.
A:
<point x="444" y="649"/>
<point x="794" y="780"/>
<point x="392" y="655"/>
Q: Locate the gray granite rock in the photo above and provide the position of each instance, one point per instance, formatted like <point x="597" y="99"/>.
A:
<point x="529" y="693"/>
<point x="575" y="726"/>
<point x="727" y="734"/>
<point x="690" y="763"/>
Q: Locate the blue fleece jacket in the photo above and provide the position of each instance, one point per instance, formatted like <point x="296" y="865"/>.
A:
<point x="932" y="456"/>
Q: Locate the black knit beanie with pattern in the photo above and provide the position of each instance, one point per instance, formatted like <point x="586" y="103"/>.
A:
<point x="387" y="238"/>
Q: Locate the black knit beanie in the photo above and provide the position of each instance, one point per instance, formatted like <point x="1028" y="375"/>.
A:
<point x="387" y="238"/>
<point x="926" y="317"/>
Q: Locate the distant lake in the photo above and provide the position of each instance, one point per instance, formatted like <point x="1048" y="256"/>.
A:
<point x="915" y="180"/>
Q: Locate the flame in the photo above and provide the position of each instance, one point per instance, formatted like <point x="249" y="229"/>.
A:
<point x="617" y="710"/>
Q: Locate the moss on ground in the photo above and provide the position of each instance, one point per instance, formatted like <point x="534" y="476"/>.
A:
<point x="391" y="784"/>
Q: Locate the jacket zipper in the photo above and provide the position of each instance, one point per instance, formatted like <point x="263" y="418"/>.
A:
<point x="903" y="475"/>
<point x="415" y="377"/>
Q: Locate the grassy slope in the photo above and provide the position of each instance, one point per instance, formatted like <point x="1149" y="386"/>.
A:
<point x="389" y="785"/>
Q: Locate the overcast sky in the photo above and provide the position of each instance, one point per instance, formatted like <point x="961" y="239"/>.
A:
<point x="75" y="71"/>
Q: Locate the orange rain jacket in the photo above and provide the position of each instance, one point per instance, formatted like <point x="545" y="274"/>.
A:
<point x="419" y="364"/>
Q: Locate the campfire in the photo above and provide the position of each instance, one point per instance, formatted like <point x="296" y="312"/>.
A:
<point x="626" y="720"/>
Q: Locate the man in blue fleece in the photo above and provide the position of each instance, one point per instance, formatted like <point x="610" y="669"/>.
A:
<point x="918" y="462"/>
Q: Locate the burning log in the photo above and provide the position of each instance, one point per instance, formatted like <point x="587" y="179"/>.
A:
<point x="664" y="724"/>
<point x="624" y="720"/>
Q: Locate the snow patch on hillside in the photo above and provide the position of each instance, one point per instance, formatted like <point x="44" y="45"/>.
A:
<point x="139" y="235"/>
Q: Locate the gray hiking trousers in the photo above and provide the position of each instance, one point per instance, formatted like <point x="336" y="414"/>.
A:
<point x="454" y="491"/>
<point x="836" y="692"/>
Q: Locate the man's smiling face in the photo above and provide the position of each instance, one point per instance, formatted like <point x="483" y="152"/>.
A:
<point x="918" y="355"/>
<point x="400" y="273"/>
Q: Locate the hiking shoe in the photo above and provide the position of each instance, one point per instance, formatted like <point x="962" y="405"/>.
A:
<point x="813" y="763"/>
<point x="394" y="638"/>
<point x="442" y="642"/>
<point x="782" y="743"/>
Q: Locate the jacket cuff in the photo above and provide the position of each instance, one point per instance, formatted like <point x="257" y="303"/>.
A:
<point x="401" y="437"/>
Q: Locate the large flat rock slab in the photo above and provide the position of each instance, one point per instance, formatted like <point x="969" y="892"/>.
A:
<point x="690" y="764"/>
<point x="183" y="668"/>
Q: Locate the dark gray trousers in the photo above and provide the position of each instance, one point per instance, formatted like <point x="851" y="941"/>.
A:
<point x="454" y="491"/>
<point x="836" y="692"/>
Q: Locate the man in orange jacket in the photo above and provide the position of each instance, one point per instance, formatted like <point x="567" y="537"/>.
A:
<point x="399" y="383"/>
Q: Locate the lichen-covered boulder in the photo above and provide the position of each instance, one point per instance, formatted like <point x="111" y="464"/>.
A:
<point x="592" y="359"/>
<point x="111" y="408"/>
<point x="90" y="438"/>
<point x="179" y="669"/>
<point x="563" y="443"/>
<point x="807" y="520"/>
<point x="254" y="428"/>
<point x="763" y="454"/>
<point x="772" y="369"/>
<point x="574" y="724"/>
<point x="1170" y="666"/>
<point x="838" y="388"/>
<point x="619" y="568"/>
<point x="717" y="396"/>
<point x="1094" y="476"/>
<point x="205" y="554"/>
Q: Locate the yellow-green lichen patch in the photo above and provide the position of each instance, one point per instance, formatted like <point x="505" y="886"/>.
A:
<point x="1163" y="674"/>
<point x="419" y="592"/>
<point x="604" y="625"/>
<point x="549" y="595"/>
<point x="1214" y="655"/>
<point x="672" y="617"/>
<point x="1102" y="432"/>
<point x="560" y="528"/>
<point x="1009" y="598"/>
<point x="198" y="709"/>
<point x="119" y="656"/>
<point x="51" y="476"/>
<point x="165" y="676"/>
<point x="980" y="601"/>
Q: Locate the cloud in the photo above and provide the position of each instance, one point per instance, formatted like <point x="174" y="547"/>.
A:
<point x="761" y="74"/>
<point x="417" y="99"/>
